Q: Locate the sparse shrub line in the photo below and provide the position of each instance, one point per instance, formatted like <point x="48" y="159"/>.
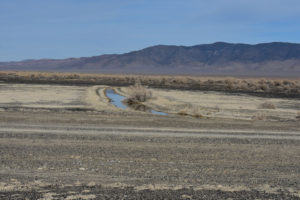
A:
<point x="264" y="87"/>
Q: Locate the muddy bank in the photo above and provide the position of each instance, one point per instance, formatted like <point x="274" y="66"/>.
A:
<point x="120" y="102"/>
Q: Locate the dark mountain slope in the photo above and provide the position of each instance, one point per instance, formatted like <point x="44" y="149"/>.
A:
<point x="220" y="58"/>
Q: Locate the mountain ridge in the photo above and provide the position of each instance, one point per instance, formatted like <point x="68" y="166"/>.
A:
<point x="219" y="58"/>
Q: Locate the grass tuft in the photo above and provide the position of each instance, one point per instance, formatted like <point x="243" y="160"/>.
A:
<point x="192" y="111"/>
<point x="259" y="116"/>
<point x="267" y="105"/>
<point x="138" y="93"/>
<point x="298" y="115"/>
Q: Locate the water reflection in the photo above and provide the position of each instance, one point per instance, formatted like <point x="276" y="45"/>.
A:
<point x="115" y="98"/>
<point x="118" y="100"/>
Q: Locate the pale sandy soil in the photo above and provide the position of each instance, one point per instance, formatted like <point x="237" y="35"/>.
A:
<point x="221" y="105"/>
<point x="207" y="104"/>
<point x="41" y="96"/>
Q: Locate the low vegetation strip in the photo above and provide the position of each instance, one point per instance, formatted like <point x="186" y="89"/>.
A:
<point x="259" y="86"/>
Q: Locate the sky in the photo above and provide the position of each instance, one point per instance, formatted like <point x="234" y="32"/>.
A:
<point x="35" y="29"/>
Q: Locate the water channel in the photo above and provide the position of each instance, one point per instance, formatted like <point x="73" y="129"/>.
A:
<point x="117" y="100"/>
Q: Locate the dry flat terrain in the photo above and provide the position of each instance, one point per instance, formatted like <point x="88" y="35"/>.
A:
<point x="69" y="142"/>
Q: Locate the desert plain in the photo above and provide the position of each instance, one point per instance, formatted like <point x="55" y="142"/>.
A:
<point x="63" y="141"/>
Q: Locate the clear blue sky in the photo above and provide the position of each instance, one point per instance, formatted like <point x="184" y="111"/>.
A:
<point x="32" y="29"/>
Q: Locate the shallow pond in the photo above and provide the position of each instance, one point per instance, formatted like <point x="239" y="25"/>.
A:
<point x="117" y="100"/>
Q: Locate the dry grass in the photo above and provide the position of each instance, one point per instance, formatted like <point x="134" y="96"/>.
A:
<point x="259" y="116"/>
<point x="191" y="110"/>
<point x="267" y="105"/>
<point x="273" y="86"/>
<point x="138" y="93"/>
<point x="196" y="112"/>
<point x="182" y="113"/>
<point x="298" y="115"/>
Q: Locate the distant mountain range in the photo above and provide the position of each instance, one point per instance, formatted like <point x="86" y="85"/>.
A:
<point x="266" y="59"/>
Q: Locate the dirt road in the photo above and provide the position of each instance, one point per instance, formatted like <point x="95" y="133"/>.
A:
<point x="78" y="155"/>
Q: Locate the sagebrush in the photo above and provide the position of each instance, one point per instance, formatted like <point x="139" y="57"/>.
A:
<point x="138" y="93"/>
<point x="298" y="115"/>
<point x="259" y="116"/>
<point x="267" y="105"/>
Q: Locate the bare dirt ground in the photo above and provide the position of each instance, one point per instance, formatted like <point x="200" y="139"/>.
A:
<point x="222" y="105"/>
<point x="68" y="142"/>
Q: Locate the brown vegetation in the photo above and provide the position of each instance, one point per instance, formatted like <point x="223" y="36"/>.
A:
<point x="267" y="105"/>
<point x="271" y="86"/>
<point x="259" y="116"/>
<point x="191" y="110"/>
<point x="182" y="113"/>
<point x="138" y="93"/>
<point x="298" y="115"/>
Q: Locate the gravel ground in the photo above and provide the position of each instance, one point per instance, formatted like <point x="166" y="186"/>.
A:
<point x="98" y="192"/>
<point x="82" y="148"/>
<point x="80" y="155"/>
